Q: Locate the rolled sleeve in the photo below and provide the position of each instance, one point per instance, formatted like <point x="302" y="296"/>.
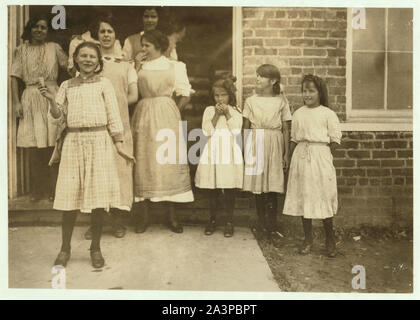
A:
<point x="182" y="84"/>
<point x="334" y="131"/>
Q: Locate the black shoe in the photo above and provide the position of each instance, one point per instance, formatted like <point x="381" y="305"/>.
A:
<point x="141" y="227"/>
<point x="97" y="259"/>
<point x="228" y="230"/>
<point x="276" y="239"/>
<point x="176" y="227"/>
<point x="62" y="259"/>
<point x="88" y="234"/>
<point x="119" y="231"/>
<point x="210" y="228"/>
<point x="331" y="248"/>
<point x="305" y="248"/>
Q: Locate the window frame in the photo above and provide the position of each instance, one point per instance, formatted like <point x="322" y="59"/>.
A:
<point x="383" y="119"/>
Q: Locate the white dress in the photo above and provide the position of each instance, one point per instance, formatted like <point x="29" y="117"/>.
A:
<point x="264" y="153"/>
<point x="312" y="185"/>
<point x="221" y="163"/>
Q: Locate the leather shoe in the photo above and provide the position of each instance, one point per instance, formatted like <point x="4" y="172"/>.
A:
<point x="119" y="231"/>
<point x="210" y="228"/>
<point x="228" y="230"/>
<point x="97" y="259"/>
<point x="175" y="227"/>
<point x="62" y="259"/>
<point x="88" y="234"/>
<point x="305" y="248"/>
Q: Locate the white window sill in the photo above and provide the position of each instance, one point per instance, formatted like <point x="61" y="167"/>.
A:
<point x="378" y="125"/>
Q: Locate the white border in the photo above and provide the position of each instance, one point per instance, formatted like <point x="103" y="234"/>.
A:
<point x="6" y="293"/>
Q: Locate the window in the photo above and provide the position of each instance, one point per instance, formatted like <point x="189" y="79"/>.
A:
<point x="380" y="65"/>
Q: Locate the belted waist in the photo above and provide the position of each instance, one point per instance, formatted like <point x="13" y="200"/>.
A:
<point x="87" y="129"/>
<point x="313" y="143"/>
<point x="36" y="84"/>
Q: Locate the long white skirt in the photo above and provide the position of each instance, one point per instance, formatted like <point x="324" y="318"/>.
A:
<point x="312" y="185"/>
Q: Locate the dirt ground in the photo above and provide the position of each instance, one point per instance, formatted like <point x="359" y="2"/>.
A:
<point x="387" y="258"/>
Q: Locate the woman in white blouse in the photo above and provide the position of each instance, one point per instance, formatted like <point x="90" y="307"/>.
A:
<point x="161" y="173"/>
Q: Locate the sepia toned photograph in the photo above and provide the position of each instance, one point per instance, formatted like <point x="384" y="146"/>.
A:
<point x="210" y="148"/>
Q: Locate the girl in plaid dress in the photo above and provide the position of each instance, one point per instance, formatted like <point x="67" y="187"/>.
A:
<point x="87" y="178"/>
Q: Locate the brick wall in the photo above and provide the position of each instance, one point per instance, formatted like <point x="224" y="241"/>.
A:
<point x="375" y="178"/>
<point x="298" y="41"/>
<point x="374" y="169"/>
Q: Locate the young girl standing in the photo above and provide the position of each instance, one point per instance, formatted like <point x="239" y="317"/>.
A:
<point x="218" y="172"/>
<point x="267" y="111"/>
<point x="312" y="185"/>
<point x="87" y="178"/>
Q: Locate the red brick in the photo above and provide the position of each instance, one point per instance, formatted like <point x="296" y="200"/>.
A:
<point x="361" y="135"/>
<point x="326" y="43"/>
<point x="315" y="52"/>
<point x="301" y="42"/>
<point x="371" y="144"/>
<point x="296" y="71"/>
<point x="366" y="192"/>
<point x="395" y="144"/>
<point x="341" y="15"/>
<point x="368" y="163"/>
<point x="294" y="80"/>
<point x="345" y="190"/>
<point x="351" y="181"/>
<point x="311" y="33"/>
<point x="265" y="52"/>
<point x="342" y="44"/>
<point x="324" y="62"/>
<point x="337" y="72"/>
<point x="383" y="154"/>
<point x="363" y="181"/>
<point x="336" y="52"/>
<point x="280" y="14"/>
<point x="403" y="172"/>
<point x="387" y="135"/>
<point x="276" y="42"/>
<point x="253" y="42"/>
<point x="386" y="181"/>
<point x="248" y="33"/>
<point x="269" y="14"/>
<point x="392" y="163"/>
<point x="339" y="154"/>
<point x="379" y="202"/>
<point x="254" y="24"/>
<point x="278" y="24"/>
<point x="342" y="62"/>
<point x="299" y="62"/>
<point x="354" y="172"/>
<point x="349" y="144"/>
<point x="406" y="134"/>
<point x="409" y="163"/>
<point x="378" y="172"/>
<point x="338" y="34"/>
<point x="353" y="202"/>
<point x="302" y="24"/>
<point x="341" y="99"/>
<point x="249" y="13"/>
<point x="374" y="182"/>
<point x="319" y="14"/>
<point x="341" y="25"/>
<point x="266" y="33"/>
<point x="344" y="163"/>
<point x="337" y="90"/>
<point x="358" y="154"/>
<point x="341" y="181"/>
<point x="399" y="181"/>
<point x="289" y="52"/>
<point x="409" y="180"/>
<point x="290" y="33"/>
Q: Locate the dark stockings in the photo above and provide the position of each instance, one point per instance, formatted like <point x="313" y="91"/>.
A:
<point x="307" y="229"/>
<point x="229" y="200"/>
<point x="329" y="232"/>
<point x="97" y="222"/>
<point x="69" y="219"/>
<point x="266" y="204"/>
<point x="43" y="177"/>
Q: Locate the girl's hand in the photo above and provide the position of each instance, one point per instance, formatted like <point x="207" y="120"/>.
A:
<point x="286" y="162"/>
<point x="19" y="110"/>
<point x="118" y="146"/>
<point x="219" y="109"/>
<point x="46" y="92"/>
<point x="141" y="58"/>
